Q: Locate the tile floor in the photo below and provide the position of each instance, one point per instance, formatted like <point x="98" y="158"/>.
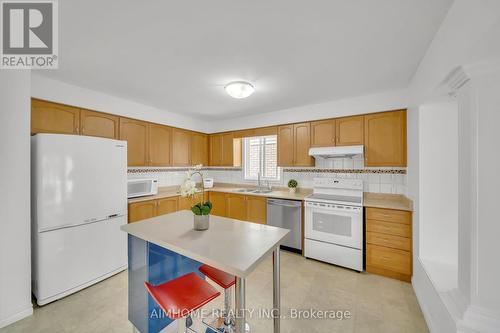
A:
<point x="376" y="304"/>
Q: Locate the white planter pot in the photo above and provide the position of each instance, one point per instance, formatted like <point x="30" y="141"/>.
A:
<point x="201" y="222"/>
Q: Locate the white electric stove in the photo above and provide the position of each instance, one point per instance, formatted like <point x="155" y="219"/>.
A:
<point x="334" y="222"/>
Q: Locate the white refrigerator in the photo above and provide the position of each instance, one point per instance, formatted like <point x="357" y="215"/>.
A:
<point x="79" y="202"/>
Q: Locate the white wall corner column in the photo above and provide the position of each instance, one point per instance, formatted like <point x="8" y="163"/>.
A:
<point x="15" y="250"/>
<point x="475" y="303"/>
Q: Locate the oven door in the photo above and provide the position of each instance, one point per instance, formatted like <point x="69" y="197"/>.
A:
<point x="337" y="224"/>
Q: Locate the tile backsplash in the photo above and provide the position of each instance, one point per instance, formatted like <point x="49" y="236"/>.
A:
<point x="378" y="180"/>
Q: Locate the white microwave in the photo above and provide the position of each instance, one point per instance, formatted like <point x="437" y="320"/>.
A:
<point x="141" y="187"/>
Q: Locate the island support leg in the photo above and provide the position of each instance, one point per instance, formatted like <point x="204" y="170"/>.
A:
<point x="240" y="305"/>
<point x="276" y="289"/>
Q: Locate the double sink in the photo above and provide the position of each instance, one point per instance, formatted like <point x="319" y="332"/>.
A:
<point x="251" y="190"/>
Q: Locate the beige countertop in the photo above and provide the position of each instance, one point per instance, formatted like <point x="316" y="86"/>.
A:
<point x="278" y="192"/>
<point x="387" y="201"/>
<point x="375" y="200"/>
<point x="230" y="245"/>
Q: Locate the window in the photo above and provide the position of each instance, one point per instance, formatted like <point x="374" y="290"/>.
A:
<point x="260" y="155"/>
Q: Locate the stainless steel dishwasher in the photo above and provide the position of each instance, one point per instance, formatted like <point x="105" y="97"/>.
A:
<point x="287" y="214"/>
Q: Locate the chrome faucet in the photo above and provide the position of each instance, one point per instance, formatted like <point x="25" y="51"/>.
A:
<point x="259" y="186"/>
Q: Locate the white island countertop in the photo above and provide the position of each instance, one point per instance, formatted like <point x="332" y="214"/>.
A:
<point x="233" y="246"/>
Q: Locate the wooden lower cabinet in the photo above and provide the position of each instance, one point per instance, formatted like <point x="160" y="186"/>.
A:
<point x="236" y="206"/>
<point x="389" y="243"/>
<point x="141" y="210"/>
<point x="166" y="206"/>
<point x="239" y="206"/>
<point x="256" y="209"/>
<point x="218" y="200"/>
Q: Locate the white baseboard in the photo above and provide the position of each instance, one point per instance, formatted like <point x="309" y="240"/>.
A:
<point x="18" y="316"/>
<point x="479" y="319"/>
<point x="436" y="314"/>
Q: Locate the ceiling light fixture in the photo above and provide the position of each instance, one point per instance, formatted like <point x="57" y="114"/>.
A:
<point x="239" y="89"/>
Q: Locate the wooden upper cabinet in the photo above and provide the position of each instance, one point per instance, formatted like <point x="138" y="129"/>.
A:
<point x="256" y="209"/>
<point x="323" y="133"/>
<point x="285" y="145"/>
<point x="218" y="200"/>
<point x="199" y="149"/>
<point x="166" y="205"/>
<point x="48" y="117"/>
<point x="160" y="145"/>
<point x="215" y="150"/>
<point x="181" y="147"/>
<point x="99" y="124"/>
<point x="349" y="131"/>
<point x="301" y="144"/>
<point x="135" y="132"/>
<point x="227" y="149"/>
<point x="221" y="149"/>
<point x="385" y="139"/>
<point x="236" y="207"/>
<point x="141" y="210"/>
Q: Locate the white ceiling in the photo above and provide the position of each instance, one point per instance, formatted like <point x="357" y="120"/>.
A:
<point x="178" y="55"/>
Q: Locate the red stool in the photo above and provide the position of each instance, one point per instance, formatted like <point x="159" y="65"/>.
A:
<point x="225" y="281"/>
<point x="181" y="296"/>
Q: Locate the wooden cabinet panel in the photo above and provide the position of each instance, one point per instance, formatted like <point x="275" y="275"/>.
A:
<point x="301" y="144"/>
<point x="386" y="258"/>
<point x="236" y="206"/>
<point x="264" y="131"/>
<point x="199" y="149"/>
<point x="244" y="133"/>
<point x="135" y="132"/>
<point x="215" y="150"/>
<point x="181" y="147"/>
<point x="166" y="205"/>
<point x="99" y="124"/>
<point x="256" y="209"/>
<point x="390" y="228"/>
<point x="141" y="210"/>
<point x="160" y="143"/>
<point x="218" y="200"/>
<point x="227" y="149"/>
<point x="349" y="131"/>
<point x="323" y="133"/>
<point x="395" y="242"/>
<point x="48" y="117"/>
<point x="388" y="215"/>
<point x="285" y="145"/>
<point x="385" y="139"/>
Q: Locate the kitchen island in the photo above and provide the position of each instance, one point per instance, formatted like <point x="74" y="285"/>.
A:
<point x="166" y="247"/>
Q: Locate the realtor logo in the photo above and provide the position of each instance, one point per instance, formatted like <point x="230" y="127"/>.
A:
<point x="29" y="34"/>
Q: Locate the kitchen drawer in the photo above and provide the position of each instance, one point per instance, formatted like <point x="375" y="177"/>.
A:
<point x="395" y="242"/>
<point x="389" y="228"/>
<point x="389" y="259"/>
<point x="388" y="215"/>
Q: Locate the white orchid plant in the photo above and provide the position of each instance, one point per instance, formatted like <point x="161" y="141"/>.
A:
<point x="188" y="189"/>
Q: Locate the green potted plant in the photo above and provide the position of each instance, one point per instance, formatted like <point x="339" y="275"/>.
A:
<point x="292" y="185"/>
<point x="201" y="210"/>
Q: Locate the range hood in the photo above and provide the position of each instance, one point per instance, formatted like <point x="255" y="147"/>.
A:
<point x="336" y="152"/>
